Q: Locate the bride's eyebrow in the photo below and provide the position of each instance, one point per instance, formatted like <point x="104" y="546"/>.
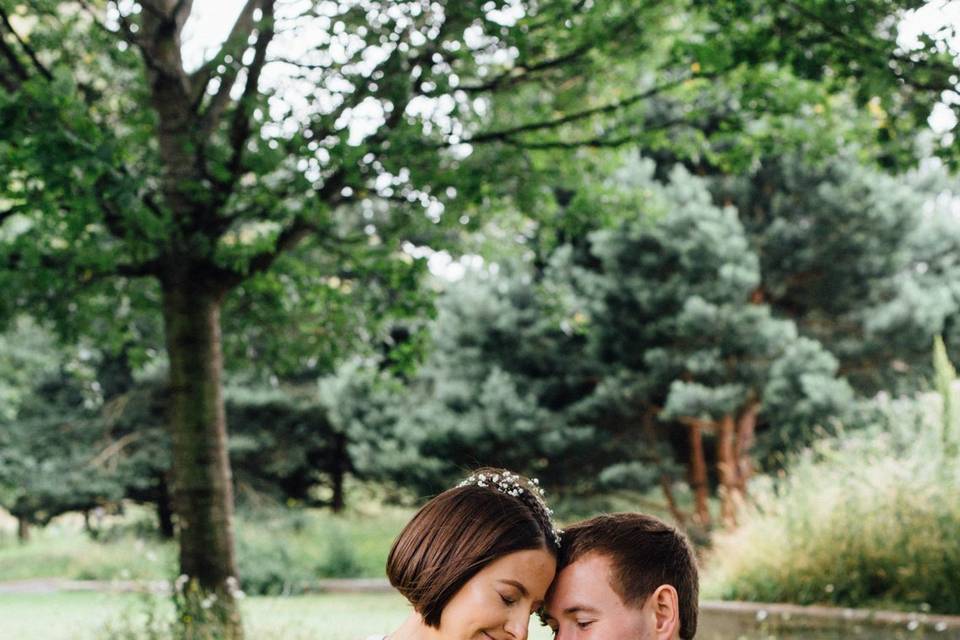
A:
<point x="519" y="586"/>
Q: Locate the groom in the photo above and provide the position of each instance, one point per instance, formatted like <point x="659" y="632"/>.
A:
<point x="625" y="575"/>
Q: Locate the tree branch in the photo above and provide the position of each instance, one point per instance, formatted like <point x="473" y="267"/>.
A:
<point x="18" y="69"/>
<point x="506" y="134"/>
<point x="181" y="11"/>
<point x="857" y="46"/>
<point x="126" y="34"/>
<point x="599" y="142"/>
<point x="292" y="235"/>
<point x="526" y="71"/>
<point x="150" y="7"/>
<point x="26" y="48"/>
<point x="14" y="262"/>
<point x="234" y="45"/>
<point x="512" y="77"/>
<point x="114" y="449"/>
<point x="240" y="127"/>
<point x="319" y="126"/>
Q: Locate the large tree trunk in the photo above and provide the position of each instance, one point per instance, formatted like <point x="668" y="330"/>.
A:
<point x="698" y="473"/>
<point x="202" y="484"/>
<point x="727" y="471"/>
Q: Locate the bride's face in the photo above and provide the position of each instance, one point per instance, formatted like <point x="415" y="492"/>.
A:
<point x="497" y="602"/>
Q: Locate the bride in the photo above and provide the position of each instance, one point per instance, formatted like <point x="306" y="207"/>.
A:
<point x="475" y="561"/>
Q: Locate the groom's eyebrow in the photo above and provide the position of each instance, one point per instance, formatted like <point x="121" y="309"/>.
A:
<point x="518" y="585"/>
<point x="577" y="608"/>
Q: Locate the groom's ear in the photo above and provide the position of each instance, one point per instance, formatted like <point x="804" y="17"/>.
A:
<point x="665" y="607"/>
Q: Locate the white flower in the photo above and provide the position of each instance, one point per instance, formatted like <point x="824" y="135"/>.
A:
<point x="233" y="588"/>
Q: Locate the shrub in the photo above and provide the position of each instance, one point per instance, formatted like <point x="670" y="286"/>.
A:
<point x="862" y="519"/>
<point x="270" y="569"/>
<point x="341" y="559"/>
<point x="285" y="551"/>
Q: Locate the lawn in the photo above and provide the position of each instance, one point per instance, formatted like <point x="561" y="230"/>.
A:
<point x="83" y="616"/>
<point x="280" y="550"/>
<point x="63" y="550"/>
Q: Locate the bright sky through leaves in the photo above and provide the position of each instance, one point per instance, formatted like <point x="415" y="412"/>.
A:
<point x="210" y="22"/>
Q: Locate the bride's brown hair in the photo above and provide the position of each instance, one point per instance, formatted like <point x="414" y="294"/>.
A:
<point x="461" y="531"/>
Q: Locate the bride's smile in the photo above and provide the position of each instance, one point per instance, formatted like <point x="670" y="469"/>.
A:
<point x="497" y="602"/>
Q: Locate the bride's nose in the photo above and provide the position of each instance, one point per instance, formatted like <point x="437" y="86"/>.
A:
<point x="517" y="626"/>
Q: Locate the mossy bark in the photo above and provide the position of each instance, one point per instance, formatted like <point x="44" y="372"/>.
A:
<point x="202" y="483"/>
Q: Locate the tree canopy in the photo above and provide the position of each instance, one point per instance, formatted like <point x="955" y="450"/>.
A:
<point x="291" y="165"/>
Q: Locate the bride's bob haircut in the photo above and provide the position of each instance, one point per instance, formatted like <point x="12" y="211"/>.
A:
<point x="458" y="533"/>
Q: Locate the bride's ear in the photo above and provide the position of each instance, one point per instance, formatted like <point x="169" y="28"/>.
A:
<point x="665" y="605"/>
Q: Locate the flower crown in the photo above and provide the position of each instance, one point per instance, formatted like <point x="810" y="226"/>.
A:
<point x="512" y="484"/>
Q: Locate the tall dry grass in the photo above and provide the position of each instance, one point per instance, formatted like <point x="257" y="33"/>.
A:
<point x="865" y="519"/>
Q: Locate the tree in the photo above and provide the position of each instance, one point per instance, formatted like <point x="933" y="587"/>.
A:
<point x="361" y="403"/>
<point x="854" y="256"/>
<point x="500" y="375"/>
<point x="54" y="455"/>
<point x="668" y="296"/>
<point x="641" y="345"/>
<point x="284" y="445"/>
<point x="222" y="177"/>
<point x="47" y="391"/>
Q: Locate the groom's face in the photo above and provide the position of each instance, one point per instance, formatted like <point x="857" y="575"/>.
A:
<point x="582" y="604"/>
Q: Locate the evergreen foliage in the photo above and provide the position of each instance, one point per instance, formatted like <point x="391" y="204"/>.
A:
<point x="856" y="257"/>
<point x="588" y="372"/>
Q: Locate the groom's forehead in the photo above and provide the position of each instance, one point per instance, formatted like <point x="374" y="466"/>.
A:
<point x="586" y="582"/>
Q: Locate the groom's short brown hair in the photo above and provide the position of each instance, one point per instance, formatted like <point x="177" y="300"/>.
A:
<point x="646" y="553"/>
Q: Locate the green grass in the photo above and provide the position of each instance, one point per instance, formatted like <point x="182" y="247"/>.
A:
<point x="63" y="550"/>
<point x="69" y="616"/>
<point x="82" y="616"/>
<point x="280" y="550"/>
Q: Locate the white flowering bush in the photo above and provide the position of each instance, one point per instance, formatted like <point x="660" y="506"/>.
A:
<point x="196" y="614"/>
